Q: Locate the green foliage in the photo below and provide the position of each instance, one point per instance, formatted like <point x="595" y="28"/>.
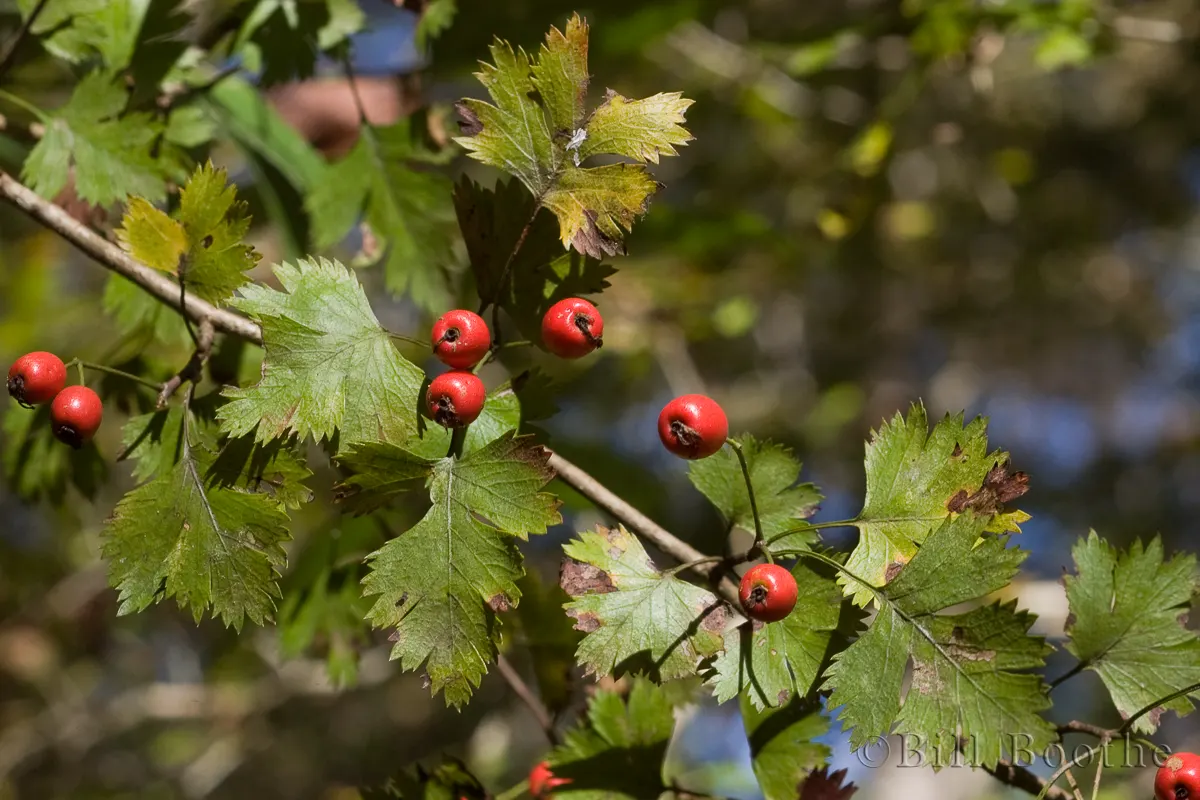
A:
<point x="442" y="583"/>
<point x="330" y="367"/>
<point x="773" y="663"/>
<point x="1127" y="624"/>
<point x="617" y="753"/>
<point x="108" y="152"/>
<point x="407" y="207"/>
<point x="203" y="244"/>
<point x="782" y="504"/>
<point x="544" y="143"/>
<point x="37" y="466"/>
<point x="916" y="480"/>
<point x="449" y="780"/>
<point x="635" y="617"/>
<point x="205" y="530"/>
<point x="969" y="673"/>
<point x="783" y="750"/>
<point x="436" y="18"/>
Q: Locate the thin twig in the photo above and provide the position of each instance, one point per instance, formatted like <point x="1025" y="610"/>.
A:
<point x="114" y="258"/>
<point x="522" y="690"/>
<point x="637" y="522"/>
<point x="192" y="369"/>
<point x="1076" y="726"/>
<point x="1020" y="777"/>
<point x="10" y="54"/>
<point x="759" y="544"/>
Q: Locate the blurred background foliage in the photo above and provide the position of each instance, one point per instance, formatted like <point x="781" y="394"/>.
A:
<point x="988" y="205"/>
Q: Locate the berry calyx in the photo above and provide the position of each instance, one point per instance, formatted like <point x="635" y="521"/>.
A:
<point x="455" y="399"/>
<point x="36" y="378"/>
<point x="572" y="328"/>
<point x="542" y="780"/>
<point x="693" y="426"/>
<point x="75" y="415"/>
<point x="1178" y="778"/>
<point x="460" y="338"/>
<point x="768" y="592"/>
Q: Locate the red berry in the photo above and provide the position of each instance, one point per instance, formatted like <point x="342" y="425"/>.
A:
<point x="693" y="426"/>
<point x="36" y="378"/>
<point x="768" y="592"/>
<point x="542" y="780"/>
<point x="455" y="398"/>
<point x="572" y="328"/>
<point x="1178" y="778"/>
<point x="75" y="415"/>
<point x="460" y="338"/>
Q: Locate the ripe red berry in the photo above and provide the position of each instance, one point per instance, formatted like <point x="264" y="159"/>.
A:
<point x="572" y="328"/>
<point x="542" y="780"/>
<point x="75" y="415"/>
<point x="36" y="378"/>
<point x="455" y="398"/>
<point x="1178" y="778"/>
<point x="460" y="338"/>
<point x="768" y="592"/>
<point x="693" y="426"/>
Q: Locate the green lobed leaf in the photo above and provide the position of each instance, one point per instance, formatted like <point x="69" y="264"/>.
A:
<point x="635" y="617"/>
<point x="783" y="746"/>
<point x="408" y="209"/>
<point x="537" y="129"/>
<point x="617" y="752"/>
<point x="111" y="153"/>
<point x="204" y="242"/>
<point x="916" y="480"/>
<point x="329" y="365"/>
<point x="37" y="466"/>
<point x="969" y="670"/>
<point x="74" y="30"/>
<point x="782" y="503"/>
<point x="209" y="546"/>
<point x="1127" y="624"/>
<point x="442" y="583"/>
<point x="280" y="38"/>
<point x="774" y="662"/>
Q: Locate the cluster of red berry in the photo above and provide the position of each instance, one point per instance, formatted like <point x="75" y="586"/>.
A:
<point x="41" y="377"/>
<point x="572" y="328"/>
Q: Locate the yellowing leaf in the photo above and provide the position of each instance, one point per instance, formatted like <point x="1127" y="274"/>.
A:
<point x="152" y="237"/>
<point x="537" y="129"/>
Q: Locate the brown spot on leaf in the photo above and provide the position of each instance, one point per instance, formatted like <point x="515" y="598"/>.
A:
<point x="577" y="578"/>
<point x="591" y="241"/>
<point x="821" y="785"/>
<point x="585" y="621"/>
<point x="499" y="603"/>
<point x="925" y="678"/>
<point x="757" y="626"/>
<point x="957" y="450"/>
<point x="783" y="696"/>
<point x="1070" y="623"/>
<point x="893" y="569"/>
<point x="468" y="120"/>
<point x="1000" y="487"/>
<point x="403" y="599"/>
<point x="713" y="621"/>
<point x="961" y="650"/>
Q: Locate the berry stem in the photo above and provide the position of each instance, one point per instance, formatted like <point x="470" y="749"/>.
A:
<point x="458" y="437"/>
<point x="693" y="563"/>
<point x="82" y="365"/>
<point x="491" y="353"/>
<point x="758" y="532"/>
<point x="409" y="339"/>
